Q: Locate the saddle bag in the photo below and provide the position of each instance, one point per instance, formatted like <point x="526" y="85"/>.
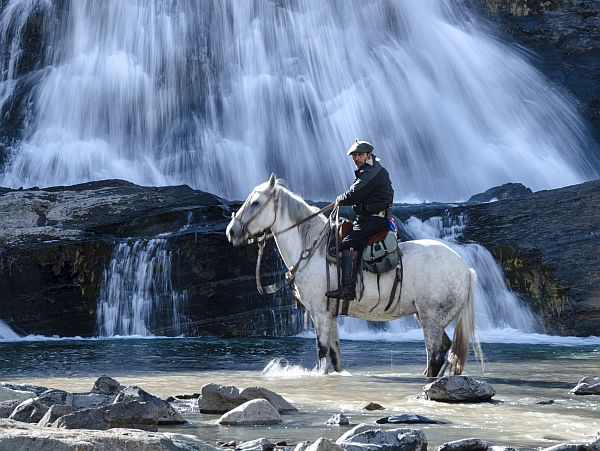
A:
<point x="382" y="256"/>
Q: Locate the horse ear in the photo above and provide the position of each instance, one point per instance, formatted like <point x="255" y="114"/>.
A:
<point x="272" y="180"/>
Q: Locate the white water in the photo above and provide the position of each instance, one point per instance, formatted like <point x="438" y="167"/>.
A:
<point x="6" y="333"/>
<point x="500" y="314"/>
<point x="217" y="94"/>
<point x="136" y="295"/>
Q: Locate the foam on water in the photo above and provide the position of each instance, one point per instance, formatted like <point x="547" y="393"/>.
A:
<point x="280" y="368"/>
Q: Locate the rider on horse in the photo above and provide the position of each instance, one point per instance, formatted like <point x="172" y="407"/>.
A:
<point x="371" y="196"/>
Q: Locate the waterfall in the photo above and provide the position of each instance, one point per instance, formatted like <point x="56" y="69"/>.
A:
<point x="219" y="93"/>
<point x="137" y="296"/>
<point x="6" y="333"/>
<point x="496" y="307"/>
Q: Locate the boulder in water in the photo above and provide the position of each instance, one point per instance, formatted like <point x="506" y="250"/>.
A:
<point x="90" y="400"/>
<point x="255" y="412"/>
<point x="166" y="413"/>
<point x="587" y="386"/>
<point x="459" y="389"/>
<point x="408" y="418"/>
<point x="339" y="419"/>
<point x="55" y="397"/>
<point x="364" y="437"/>
<point x="222" y="398"/>
<point x="373" y="406"/>
<point x="472" y="444"/>
<point x="105" y="385"/>
<point x="133" y="414"/>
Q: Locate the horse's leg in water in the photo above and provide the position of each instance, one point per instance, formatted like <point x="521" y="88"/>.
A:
<point x="323" y="323"/>
<point x="434" y="342"/>
<point x="334" y="347"/>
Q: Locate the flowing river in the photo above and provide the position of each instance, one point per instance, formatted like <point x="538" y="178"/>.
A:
<point x="535" y="368"/>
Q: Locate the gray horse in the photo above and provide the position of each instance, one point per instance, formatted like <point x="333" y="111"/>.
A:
<point x="437" y="284"/>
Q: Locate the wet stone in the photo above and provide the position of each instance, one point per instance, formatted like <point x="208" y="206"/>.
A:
<point x="339" y="419"/>
<point x="373" y="406"/>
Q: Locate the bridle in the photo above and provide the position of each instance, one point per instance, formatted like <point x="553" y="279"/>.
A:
<point x="261" y="241"/>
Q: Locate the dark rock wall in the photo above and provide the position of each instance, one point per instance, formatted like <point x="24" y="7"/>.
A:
<point x="56" y="243"/>
<point x="565" y="36"/>
<point x="549" y="246"/>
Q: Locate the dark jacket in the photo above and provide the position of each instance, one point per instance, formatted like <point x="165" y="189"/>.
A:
<point x="371" y="191"/>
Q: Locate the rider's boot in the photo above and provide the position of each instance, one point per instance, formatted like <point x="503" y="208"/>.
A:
<point x="347" y="289"/>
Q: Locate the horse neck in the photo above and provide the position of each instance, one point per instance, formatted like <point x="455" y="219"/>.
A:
<point x="290" y="211"/>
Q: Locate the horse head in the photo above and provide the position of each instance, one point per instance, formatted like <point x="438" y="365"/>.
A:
<point x="257" y="214"/>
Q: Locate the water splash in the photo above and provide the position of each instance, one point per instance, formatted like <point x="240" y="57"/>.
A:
<point x="217" y="94"/>
<point x="136" y="296"/>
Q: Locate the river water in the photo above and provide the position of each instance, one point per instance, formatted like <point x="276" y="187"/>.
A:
<point x="537" y="368"/>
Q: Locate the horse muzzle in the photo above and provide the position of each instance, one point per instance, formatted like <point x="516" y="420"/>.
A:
<point x="235" y="233"/>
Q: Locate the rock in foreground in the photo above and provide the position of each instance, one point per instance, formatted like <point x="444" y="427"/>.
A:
<point x="256" y="412"/>
<point x="459" y="389"/>
<point x="15" y="436"/>
<point x="587" y="386"/>
<point x="222" y="398"/>
<point x="365" y="437"/>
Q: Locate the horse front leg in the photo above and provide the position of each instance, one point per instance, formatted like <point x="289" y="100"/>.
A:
<point x="334" y="347"/>
<point x="323" y="323"/>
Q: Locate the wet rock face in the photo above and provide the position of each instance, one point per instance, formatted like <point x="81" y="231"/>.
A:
<point x="56" y="243"/>
<point x="566" y="34"/>
<point x="547" y="243"/>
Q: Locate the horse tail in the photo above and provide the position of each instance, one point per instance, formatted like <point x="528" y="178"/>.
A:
<point x="465" y="331"/>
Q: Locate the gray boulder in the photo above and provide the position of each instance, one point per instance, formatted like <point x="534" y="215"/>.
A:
<point x="260" y="444"/>
<point x="339" y="419"/>
<point x="10" y="394"/>
<point x="409" y="418"/>
<point x="90" y="400"/>
<point x="105" y="385"/>
<point x="55" y="397"/>
<point x="22" y="436"/>
<point x="37" y="389"/>
<point x="222" y="398"/>
<point x="459" y="389"/>
<point x="255" y="412"/>
<point x="29" y="411"/>
<point x="166" y="412"/>
<point x="595" y="445"/>
<point x="472" y="444"/>
<point x="366" y="438"/>
<point x="587" y="386"/>
<point x="131" y="414"/>
<point x="569" y="447"/>
<point x="324" y="444"/>
<point x="7" y="407"/>
<point x="54" y="413"/>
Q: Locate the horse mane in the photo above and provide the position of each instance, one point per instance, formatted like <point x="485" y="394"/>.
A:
<point x="298" y="209"/>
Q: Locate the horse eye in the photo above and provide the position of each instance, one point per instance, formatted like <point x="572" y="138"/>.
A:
<point x="254" y="204"/>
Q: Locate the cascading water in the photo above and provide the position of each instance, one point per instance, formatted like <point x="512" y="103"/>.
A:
<point x="6" y="333"/>
<point x="137" y="296"/>
<point x="497" y="308"/>
<point x="219" y="93"/>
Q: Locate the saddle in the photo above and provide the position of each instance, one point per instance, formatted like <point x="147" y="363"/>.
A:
<point x="344" y="229"/>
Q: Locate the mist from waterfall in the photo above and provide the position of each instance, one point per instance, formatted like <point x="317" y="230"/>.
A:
<point x="220" y="93"/>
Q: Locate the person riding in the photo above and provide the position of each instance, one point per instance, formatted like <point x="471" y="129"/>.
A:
<point x="371" y="195"/>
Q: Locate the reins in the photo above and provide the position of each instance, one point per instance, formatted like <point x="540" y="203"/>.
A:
<point x="261" y="241"/>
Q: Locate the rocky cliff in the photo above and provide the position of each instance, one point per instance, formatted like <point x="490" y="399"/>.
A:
<point x="56" y="244"/>
<point x="565" y="36"/>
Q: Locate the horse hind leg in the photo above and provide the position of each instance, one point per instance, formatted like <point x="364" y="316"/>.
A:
<point x="437" y="344"/>
<point x="334" y="347"/>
